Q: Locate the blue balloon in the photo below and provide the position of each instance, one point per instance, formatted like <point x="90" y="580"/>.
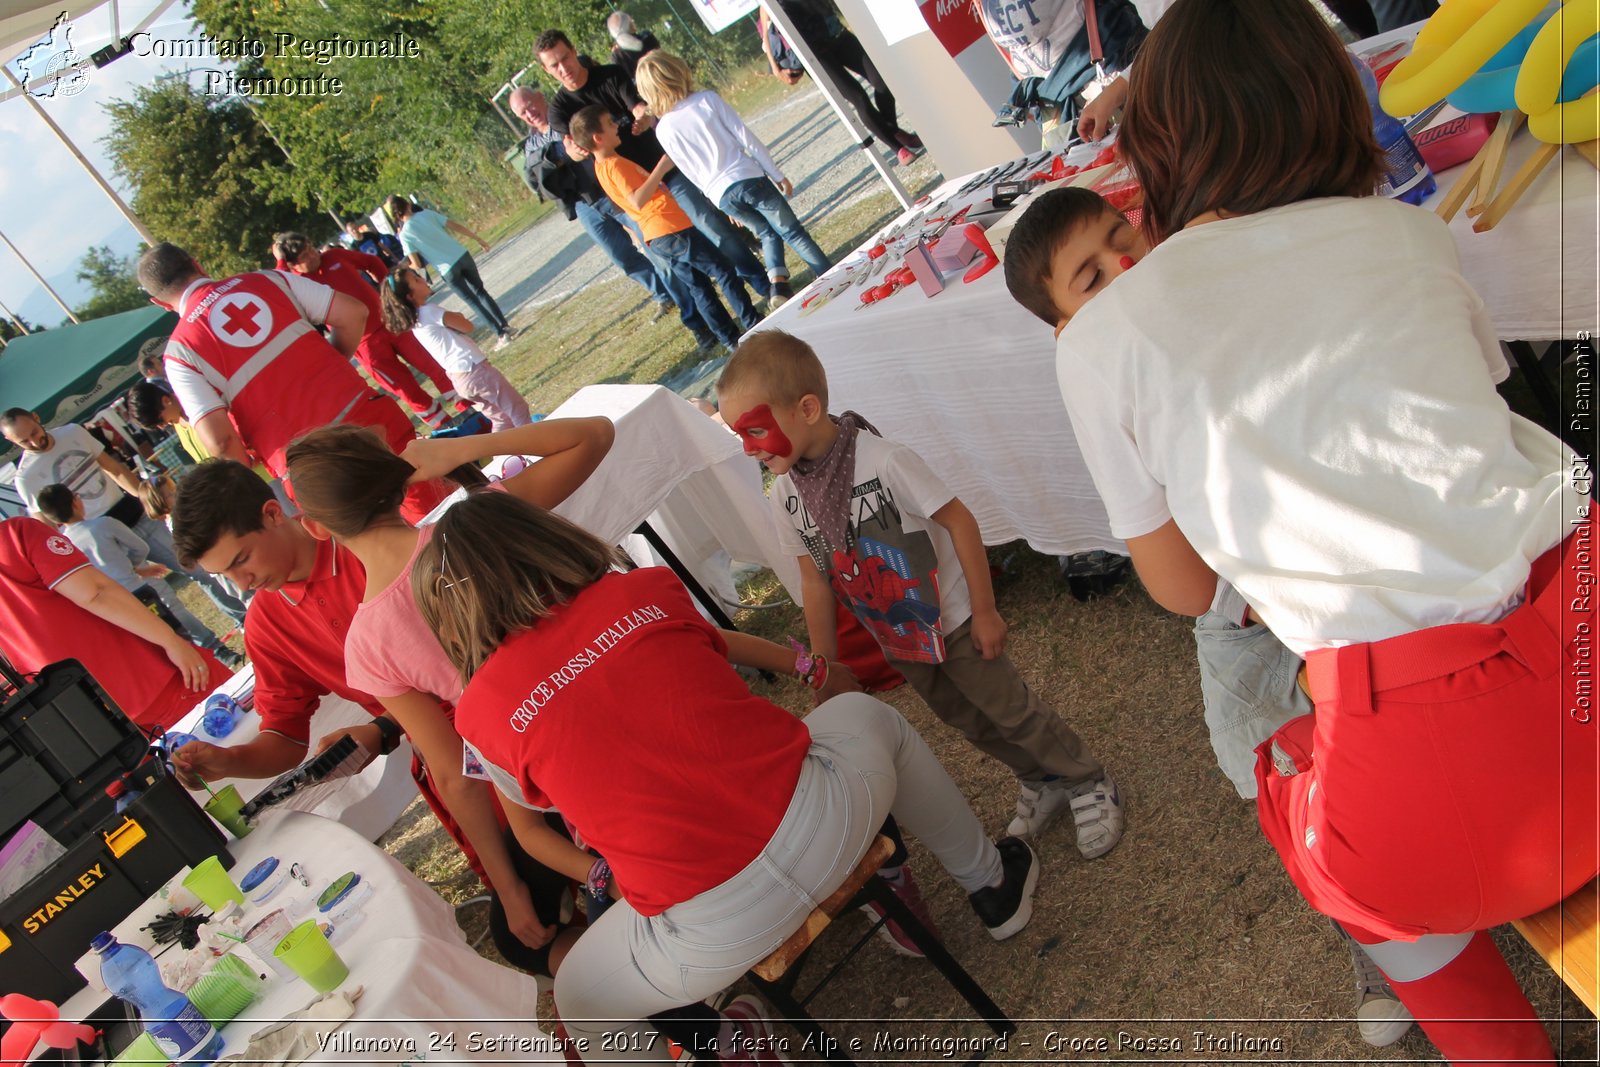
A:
<point x="1493" y="88"/>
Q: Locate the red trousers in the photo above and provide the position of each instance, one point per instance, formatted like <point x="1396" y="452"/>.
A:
<point x="1447" y="779"/>
<point x="384" y="356"/>
<point x="176" y="700"/>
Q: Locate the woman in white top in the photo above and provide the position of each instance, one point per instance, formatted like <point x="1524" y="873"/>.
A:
<point x="710" y="143"/>
<point x="1295" y="391"/>
<point x="447" y="335"/>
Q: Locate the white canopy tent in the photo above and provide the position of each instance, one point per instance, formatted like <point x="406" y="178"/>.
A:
<point x="23" y="24"/>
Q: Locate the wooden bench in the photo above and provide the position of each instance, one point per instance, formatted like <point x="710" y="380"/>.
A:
<point x="777" y="975"/>
<point x="1568" y="937"/>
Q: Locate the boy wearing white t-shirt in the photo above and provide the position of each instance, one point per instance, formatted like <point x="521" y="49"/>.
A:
<point x="882" y="533"/>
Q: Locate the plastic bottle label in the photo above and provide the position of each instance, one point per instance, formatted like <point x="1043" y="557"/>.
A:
<point x="1403" y="169"/>
<point x="180" y="1038"/>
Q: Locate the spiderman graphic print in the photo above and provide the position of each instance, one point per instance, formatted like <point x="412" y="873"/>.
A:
<point x="897" y="572"/>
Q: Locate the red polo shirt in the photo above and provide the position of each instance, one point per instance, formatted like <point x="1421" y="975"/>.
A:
<point x="39" y="626"/>
<point x="295" y="638"/>
<point x="620" y="708"/>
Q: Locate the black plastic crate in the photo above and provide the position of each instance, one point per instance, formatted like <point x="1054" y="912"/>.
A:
<point x="62" y="741"/>
<point x="105" y="875"/>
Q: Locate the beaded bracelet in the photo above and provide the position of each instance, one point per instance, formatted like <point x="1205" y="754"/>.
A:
<point x="599" y="880"/>
<point x="810" y="667"/>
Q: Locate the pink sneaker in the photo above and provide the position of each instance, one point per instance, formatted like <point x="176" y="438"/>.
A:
<point x="904" y="887"/>
<point x="905" y="157"/>
<point x="753" y="1040"/>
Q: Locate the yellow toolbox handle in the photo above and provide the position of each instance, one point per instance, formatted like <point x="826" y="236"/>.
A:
<point x="121" y="840"/>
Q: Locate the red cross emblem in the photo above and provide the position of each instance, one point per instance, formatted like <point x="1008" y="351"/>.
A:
<point x="241" y="319"/>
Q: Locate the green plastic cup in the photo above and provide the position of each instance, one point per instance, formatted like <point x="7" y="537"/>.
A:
<point x="141" y="1052"/>
<point x="211" y="884"/>
<point x="308" y="953"/>
<point x="226" y="806"/>
<point x="225" y="990"/>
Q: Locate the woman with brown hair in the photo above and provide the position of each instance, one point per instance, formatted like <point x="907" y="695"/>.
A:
<point x="1294" y="391"/>
<point x="348" y="483"/>
<point x="723" y="818"/>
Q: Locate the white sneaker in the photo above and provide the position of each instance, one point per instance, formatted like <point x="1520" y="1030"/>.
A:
<point x="1097" y="812"/>
<point x="503" y="342"/>
<point x="1380" y="1017"/>
<point x="1037" y="807"/>
<point x="754" y="1042"/>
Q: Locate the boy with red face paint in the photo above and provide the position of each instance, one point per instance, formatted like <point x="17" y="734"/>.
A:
<point x="886" y="537"/>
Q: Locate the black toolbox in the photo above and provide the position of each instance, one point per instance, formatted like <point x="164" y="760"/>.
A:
<point x="62" y="741"/>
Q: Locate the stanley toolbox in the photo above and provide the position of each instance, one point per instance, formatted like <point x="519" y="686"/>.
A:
<point x="62" y="741"/>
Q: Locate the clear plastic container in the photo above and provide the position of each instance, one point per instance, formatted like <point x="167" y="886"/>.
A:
<point x="264" y="881"/>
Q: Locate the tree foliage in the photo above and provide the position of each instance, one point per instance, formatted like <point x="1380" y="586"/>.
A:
<point x="204" y="172"/>
<point x="112" y="284"/>
<point x="418" y="125"/>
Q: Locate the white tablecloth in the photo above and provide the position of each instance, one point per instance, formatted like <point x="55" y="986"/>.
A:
<point x="967" y="378"/>
<point x="368" y="802"/>
<point x="423" y="983"/>
<point x="685" y="474"/>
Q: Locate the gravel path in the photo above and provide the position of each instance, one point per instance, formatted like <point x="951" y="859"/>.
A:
<point x="553" y="260"/>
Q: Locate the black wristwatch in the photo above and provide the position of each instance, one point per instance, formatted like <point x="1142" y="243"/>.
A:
<point x="389" y="734"/>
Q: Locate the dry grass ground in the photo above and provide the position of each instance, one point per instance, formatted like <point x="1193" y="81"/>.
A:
<point x="1189" y="926"/>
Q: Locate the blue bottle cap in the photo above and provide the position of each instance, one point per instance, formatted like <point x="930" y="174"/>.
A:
<point x="258" y="874"/>
<point x="341" y="887"/>
<point x="102" y="941"/>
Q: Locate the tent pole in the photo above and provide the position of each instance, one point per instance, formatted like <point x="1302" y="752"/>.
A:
<point x="830" y="93"/>
<point x="36" y="275"/>
<point x="105" y="186"/>
<point x="18" y="323"/>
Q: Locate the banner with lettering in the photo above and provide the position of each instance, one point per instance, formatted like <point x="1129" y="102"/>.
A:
<point x="954" y="22"/>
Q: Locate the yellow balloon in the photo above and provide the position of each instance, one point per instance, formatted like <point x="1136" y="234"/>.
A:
<point x="1454" y="45"/>
<point x="1539" y="79"/>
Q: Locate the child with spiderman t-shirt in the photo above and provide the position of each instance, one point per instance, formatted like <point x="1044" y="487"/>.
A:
<point x="886" y="537"/>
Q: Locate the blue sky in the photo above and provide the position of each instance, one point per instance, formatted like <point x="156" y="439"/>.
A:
<point x="49" y="206"/>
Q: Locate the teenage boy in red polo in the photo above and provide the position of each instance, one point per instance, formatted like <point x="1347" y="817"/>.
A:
<point x="251" y="371"/>
<point x="307" y="591"/>
<point x="384" y="355"/>
<point x="55" y="605"/>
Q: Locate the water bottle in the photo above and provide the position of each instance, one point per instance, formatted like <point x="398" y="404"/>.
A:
<point x="122" y="793"/>
<point x="222" y="714"/>
<point x="1405" y="176"/>
<point x="179" y="1030"/>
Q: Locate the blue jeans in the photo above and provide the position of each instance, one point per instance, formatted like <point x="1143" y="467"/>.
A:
<point x="695" y="264"/>
<point x="715" y="226"/>
<point x="600" y="221"/>
<point x="464" y="279"/>
<point x="664" y="283"/>
<point x="1248" y="682"/>
<point x="758" y="204"/>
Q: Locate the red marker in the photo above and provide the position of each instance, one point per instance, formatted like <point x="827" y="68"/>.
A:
<point x="1126" y="262"/>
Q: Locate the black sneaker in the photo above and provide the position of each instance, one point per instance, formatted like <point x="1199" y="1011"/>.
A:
<point x="780" y="291"/>
<point x="1006" y="908"/>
